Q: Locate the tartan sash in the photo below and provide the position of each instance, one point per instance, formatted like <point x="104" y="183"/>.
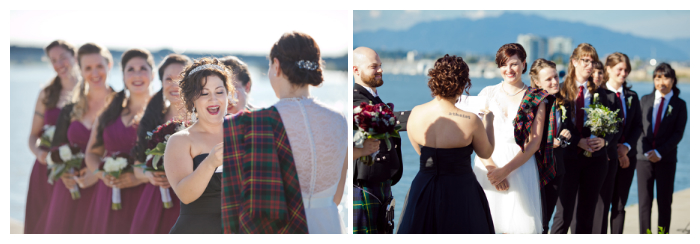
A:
<point x="523" y="123"/>
<point x="261" y="192"/>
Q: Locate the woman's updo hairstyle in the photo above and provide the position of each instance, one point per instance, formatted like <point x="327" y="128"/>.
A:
<point x="537" y="66"/>
<point x="508" y="50"/>
<point x="299" y="58"/>
<point x="191" y="85"/>
<point x="449" y="77"/>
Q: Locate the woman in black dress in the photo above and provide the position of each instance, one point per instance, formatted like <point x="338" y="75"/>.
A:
<point x="445" y="196"/>
<point x="194" y="156"/>
<point x="664" y="116"/>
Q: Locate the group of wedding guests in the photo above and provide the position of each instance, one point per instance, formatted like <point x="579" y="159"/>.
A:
<point x="534" y="151"/>
<point x="207" y="95"/>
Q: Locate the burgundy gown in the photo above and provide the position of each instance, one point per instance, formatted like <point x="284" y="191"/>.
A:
<point x="65" y="215"/>
<point x="39" y="190"/>
<point x="150" y="216"/>
<point x="101" y="218"/>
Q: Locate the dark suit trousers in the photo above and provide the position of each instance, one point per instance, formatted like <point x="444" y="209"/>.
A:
<point x="621" y="191"/>
<point x="584" y="176"/>
<point x="548" y="196"/>
<point x="664" y="173"/>
<point x="600" y="219"/>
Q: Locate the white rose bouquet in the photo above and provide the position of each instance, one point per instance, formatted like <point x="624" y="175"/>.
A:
<point x="601" y="120"/>
<point x="65" y="159"/>
<point x="115" y="166"/>
<point x="47" y="136"/>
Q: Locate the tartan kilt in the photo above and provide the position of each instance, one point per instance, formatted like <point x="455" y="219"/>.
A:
<point x="367" y="211"/>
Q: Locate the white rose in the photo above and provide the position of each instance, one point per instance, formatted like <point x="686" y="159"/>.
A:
<point x="358" y="109"/>
<point x="115" y="164"/>
<point x="48" y="159"/>
<point x="49" y="132"/>
<point x="65" y="153"/>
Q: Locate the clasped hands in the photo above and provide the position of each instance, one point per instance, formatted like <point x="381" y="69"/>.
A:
<point x="497" y="177"/>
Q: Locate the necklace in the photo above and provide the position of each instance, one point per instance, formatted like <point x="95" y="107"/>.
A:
<point x="504" y="90"/>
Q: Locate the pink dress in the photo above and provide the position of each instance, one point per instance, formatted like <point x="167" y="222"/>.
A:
<point x="150" y="216"/>
<point x="65" y="215"/>
<point x="101" y="218"/>
<point x="39" y="191"/>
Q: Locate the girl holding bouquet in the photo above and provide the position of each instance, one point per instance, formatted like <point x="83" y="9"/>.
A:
<point x="584" y="174"/>
<point x="111" y="141"/>
<point x="48" y="106"/>
<point x="152" y="216"/>
<point x="68" y="215"/>
<point x="193" y="156"/>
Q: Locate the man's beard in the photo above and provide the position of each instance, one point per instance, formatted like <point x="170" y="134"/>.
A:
<point x="371" y="81"/>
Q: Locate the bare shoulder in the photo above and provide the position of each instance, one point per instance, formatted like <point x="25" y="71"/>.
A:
<point x="180" y="137"/>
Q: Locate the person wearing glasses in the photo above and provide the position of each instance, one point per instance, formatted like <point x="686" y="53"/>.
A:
<point x="584" y="175"/>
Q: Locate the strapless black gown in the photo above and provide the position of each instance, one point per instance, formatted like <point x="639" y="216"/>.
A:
<point x="445" y="196"/>
<point x="202" y="216"/>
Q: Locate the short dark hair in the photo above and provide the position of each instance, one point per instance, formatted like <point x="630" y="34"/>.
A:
<point x="665" y="70"/>
<point x="508" y="50"/>
<point x="449" y="77"/>
<point x="191" y="85"/>
<point x="238" y="68"/>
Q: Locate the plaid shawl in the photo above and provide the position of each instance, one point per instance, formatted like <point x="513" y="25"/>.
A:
<point x="523" y="123"/>
<point x="261" y="188"/>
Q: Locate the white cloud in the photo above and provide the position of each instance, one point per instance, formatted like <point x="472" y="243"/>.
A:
<point x="375" y="13"/>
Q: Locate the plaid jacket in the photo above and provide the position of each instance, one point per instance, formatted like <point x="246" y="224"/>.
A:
<point x="523" y="123"/>
<point x="261" y="189"/>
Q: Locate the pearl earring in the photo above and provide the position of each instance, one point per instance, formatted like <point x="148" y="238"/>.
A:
<point x="193" y="117"/>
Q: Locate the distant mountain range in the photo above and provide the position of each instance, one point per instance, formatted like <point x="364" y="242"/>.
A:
<point x="26" y="55"/>
<point x="485" y="36"/>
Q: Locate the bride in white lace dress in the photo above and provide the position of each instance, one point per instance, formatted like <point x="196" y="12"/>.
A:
<point x="317" y="134"/>
<point x="514" y="200"/>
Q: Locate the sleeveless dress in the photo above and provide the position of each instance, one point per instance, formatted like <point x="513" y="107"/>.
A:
<point x="101" y="218"/>
<point x="319" y="140"/>
<point x="65" y="215"/>
<point x="202" y="216"/>
<point x="517" y="210"/>
<point x="39" y="190"/>
<point x="444" y="197"/>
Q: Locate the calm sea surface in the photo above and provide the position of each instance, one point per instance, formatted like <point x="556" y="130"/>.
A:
<point x="27" y="80"/>
<point x="407" y="91"/>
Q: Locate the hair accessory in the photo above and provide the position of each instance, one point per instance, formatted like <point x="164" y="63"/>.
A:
<point x="305" y="64"/>
<point x="193" y="116"/>
<point x="206" y="66"/>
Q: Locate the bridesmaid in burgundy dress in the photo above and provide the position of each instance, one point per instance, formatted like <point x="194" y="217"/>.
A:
<point x="65" y="215"/>
<point x="151" y="217"/>
<point x="115" y="133"/>
<point x="48" y="106"/>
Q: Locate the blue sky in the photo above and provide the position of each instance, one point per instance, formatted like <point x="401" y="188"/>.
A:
<point x="657" y="24"/>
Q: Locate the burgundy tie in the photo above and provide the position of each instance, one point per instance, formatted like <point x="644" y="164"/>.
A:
<point x="579" y="111"/>
<point x="624" y="121"/>
<point x="658" y="121"/>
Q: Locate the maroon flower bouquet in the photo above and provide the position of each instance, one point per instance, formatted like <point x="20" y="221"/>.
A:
<point x="157" y="140"/>
<point x="374" y="122"/>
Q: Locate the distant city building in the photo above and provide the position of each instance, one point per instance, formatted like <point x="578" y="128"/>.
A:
<point x="560" y="48"/>
<point x="535" y="47"/>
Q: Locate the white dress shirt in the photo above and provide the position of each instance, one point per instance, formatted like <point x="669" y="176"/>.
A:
<point x="657" y="101"/>
<point x="624" y="107"/>
<point x="374" y="94"/>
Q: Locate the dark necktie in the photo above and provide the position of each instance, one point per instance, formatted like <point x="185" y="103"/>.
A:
<point x="624" y="121"/>
<point x="658" y="121"/>
<point x="579" y="110"/>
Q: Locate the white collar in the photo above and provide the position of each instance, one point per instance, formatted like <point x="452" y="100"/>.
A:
<point x="370" y="91"/>
<point x="584" y="84"/>
<point x="658" y="95"/>
<point x="613" y="89"/>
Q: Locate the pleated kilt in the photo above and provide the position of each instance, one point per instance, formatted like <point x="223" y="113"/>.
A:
<point x="367" y="212"/>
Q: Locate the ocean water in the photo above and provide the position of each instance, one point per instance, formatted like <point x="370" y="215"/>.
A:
<point x="27" y="80"/>
<point x="407" y="91"/>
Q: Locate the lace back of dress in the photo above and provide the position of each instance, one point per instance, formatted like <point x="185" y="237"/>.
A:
<point x="318" y="137"/>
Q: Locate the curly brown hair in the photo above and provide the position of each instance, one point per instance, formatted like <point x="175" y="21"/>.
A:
<point x="293" y="47"/>
<point x="449" y="77"/>
<point x="191" y="85"/>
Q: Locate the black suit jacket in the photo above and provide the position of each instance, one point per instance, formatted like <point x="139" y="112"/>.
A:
<point x="570" y="121"/>
<point x="614" y="105"/>
<point x="633" y="122"/>
<point x="670" y="131"/>
<point x="388" y="163"/>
